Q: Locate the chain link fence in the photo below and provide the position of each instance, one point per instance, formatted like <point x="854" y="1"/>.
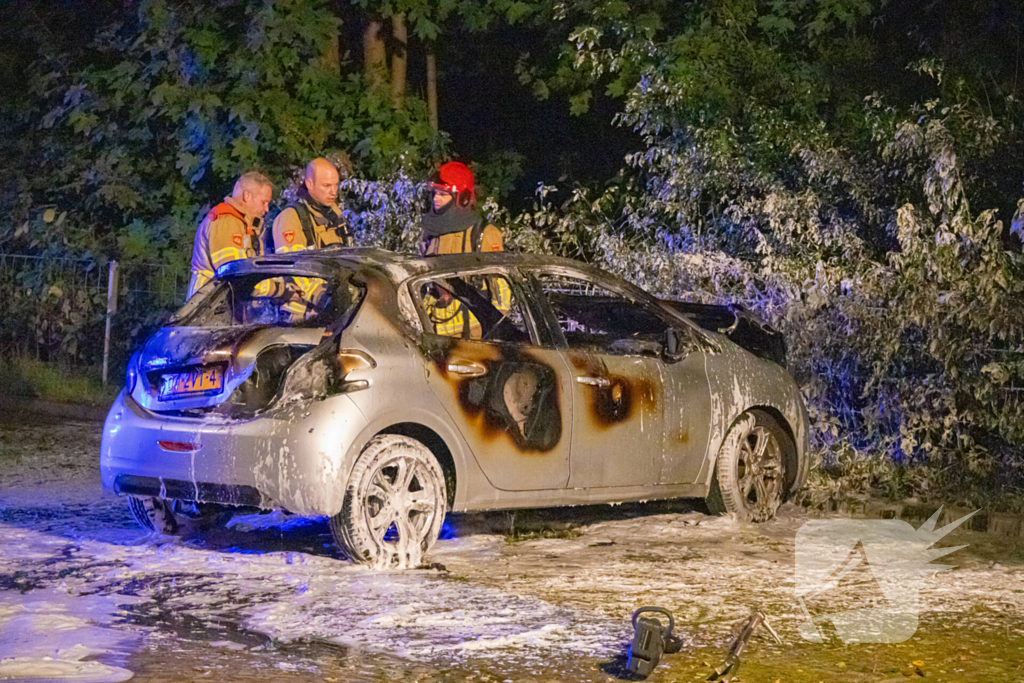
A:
<point x="55" y="309"/>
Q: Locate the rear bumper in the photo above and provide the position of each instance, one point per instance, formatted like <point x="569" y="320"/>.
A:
<point x="294" y="458"/>
<point x="202" y="492"/>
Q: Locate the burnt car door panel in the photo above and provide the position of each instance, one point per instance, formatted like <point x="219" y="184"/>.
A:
<point x="631" y="403"/>
<point x="617" y="429"/>
<point x="687" y="410"/>
<point x="509" y="397"/>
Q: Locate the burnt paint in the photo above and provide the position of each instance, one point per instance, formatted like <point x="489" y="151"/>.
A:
<point x="173" y="347"/>
<point x="619" y="401"/>
<point x="483" y="399"/>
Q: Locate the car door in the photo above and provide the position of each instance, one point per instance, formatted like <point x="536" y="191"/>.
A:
<point x="687" y="409"/>
<point x="612" y="344"/>
<point x="641" y="418"/>
<point x="509" y="396"/>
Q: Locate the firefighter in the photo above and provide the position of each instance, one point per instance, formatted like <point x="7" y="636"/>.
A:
<point x="313" y="220"/>
<point x="453" y="225"/>
<point x="232" y="230"/>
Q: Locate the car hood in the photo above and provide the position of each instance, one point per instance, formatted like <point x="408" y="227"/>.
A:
<point x="233" y="349"/>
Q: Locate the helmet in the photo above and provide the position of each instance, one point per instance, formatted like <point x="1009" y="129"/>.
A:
<point x="455" y="178"/>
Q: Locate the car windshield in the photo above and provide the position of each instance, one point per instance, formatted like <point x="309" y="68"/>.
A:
<point x="258" y="299"/>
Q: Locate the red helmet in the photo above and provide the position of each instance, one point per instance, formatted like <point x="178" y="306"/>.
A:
<point x="456" y="178"/>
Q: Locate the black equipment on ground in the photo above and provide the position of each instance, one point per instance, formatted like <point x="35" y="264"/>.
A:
<point x="650" y="641"/>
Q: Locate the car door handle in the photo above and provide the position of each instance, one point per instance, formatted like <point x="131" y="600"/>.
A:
<point x="466" y="368"/>
<point x="595" y="381"/>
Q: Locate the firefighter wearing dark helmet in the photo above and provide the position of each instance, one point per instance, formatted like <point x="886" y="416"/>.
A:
<point x="453" y="225"/>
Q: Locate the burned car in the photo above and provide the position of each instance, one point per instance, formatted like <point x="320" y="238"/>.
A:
<point x="382" y="391"/>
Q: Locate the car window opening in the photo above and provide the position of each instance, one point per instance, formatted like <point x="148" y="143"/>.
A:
<point x="479" y="308"/>
<point x="276" y="300"/>
<point x="595" y="319"/>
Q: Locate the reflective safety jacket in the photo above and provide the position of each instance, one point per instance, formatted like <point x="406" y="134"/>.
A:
<point x="452" y="320"/>
<point x="479" y="237"/>
<point x="298" y="228"/>
<point x="226" y="234"/>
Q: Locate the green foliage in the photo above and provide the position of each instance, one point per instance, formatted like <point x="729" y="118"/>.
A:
<point x="180" y="99"/>
<point x="115" y="154"/>
<point x="842" y="216"/>
<point x="24" y="377"/>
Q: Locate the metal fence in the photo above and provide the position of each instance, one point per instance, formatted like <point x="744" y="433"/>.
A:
<point x="83" y="312"/>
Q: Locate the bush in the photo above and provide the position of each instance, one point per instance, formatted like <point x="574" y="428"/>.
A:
<point x="846" y="221"/>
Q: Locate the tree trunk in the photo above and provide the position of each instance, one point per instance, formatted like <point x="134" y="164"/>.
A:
<point x="374" y="55"/>
<point x="399" y="58"/>
<point x="432" y="87"/>
<point x="330" y="58"/>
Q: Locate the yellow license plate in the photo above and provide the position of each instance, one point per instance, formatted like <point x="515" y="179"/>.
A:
<point x="196" y="381"/>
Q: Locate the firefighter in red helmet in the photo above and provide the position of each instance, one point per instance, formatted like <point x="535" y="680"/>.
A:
<point x="452" y="224"/>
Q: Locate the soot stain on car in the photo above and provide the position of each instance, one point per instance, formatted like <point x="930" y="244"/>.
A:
<point x="517" y="396"/>
<point x="619" y="399"/>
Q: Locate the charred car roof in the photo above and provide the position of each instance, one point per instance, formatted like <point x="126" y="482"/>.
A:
<point x="399" y="267"/>
<point x="335" y="261"/>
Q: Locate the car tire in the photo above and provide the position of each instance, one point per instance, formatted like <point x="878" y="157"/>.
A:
<point x="750" y="477"/>
<point x="394" y="504"/>
<point x="154" y="514"/>
<point x="158" y="514"/>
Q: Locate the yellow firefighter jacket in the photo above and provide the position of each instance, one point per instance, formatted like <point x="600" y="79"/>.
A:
<point x="290" y="235"/>
<point x="226" y="234"/>
<point x="450" y="317"/>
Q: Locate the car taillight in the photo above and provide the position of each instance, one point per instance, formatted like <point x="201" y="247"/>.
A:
<point x="178" y="446"/>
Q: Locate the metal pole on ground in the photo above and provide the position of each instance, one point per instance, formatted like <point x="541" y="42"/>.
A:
<point x="111" y="309"/>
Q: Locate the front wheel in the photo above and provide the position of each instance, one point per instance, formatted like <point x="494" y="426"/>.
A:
<point x="750" y="477"/>
<point x="394" y="505"/>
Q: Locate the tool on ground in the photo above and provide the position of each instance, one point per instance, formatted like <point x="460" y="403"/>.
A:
<point x="650" y="641"/>
<point x="732" y="660"/>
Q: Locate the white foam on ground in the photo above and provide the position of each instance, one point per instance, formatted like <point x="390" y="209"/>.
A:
<point x="527" y="603"/>
<point x="65" y="665"/>
<point x="47" y="633"/>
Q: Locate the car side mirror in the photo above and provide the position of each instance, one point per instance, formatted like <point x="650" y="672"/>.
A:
<point x="676" y="346"/>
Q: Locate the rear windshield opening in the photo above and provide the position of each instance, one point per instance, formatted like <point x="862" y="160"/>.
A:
<point x="259" y="299"/>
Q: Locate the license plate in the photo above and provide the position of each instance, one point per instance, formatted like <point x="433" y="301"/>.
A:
<point x="196" y="381"/>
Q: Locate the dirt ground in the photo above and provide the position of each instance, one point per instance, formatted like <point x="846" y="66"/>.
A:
<point x="529" y="596"/>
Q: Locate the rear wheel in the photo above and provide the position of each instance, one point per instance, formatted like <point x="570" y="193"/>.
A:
<point x="749" y="477"/>
<point x="154" y="514"/>
<point x="174" y="517"/>
<point x="394" y="505"/>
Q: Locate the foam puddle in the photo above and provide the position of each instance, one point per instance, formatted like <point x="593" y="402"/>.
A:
<point x="422" y="617"/>
<point x="48" y="634"/>
<point x="290" y="597"/>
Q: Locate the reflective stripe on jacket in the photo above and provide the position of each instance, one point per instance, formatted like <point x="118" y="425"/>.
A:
<point x="289" y="236"/>
<point x="226" y="234"/>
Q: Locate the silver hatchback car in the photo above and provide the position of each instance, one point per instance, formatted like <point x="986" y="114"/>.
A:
<point x="383" y="390"/>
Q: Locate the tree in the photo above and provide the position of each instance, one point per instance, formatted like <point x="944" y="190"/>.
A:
<point x="784" y="165"/>
<point x="181" y="97"/>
